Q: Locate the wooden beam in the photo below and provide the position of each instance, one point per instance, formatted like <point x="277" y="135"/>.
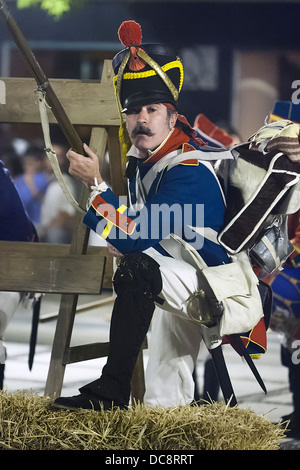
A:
<point x="53" y="275"/>
<point x="68" y="305"/>
<point x="85" y="352"/>
<point x="21" y="268"/>
<point x="89" y="103"/>
<point x="21" y="250"/>
<point x="90" y="351"/>
<point x="117" y="169"/>
<point x="33" y="270"/>
<point x="80" y="309"/>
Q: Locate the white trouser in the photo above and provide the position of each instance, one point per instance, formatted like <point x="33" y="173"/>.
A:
<point x="175" y="338"/>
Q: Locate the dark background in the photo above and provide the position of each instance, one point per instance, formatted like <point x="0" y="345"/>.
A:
<point x="229" y="26"/>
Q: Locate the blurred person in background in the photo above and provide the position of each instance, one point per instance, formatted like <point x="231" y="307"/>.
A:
<point x="57" y="214"/>
<point x="32" y="184"/>
<point x="11" y="161"/>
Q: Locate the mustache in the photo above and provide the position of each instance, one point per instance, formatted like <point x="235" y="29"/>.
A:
<point x="139" y="129"/>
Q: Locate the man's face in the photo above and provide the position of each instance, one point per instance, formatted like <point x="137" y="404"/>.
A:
<point x="148" y="126"/>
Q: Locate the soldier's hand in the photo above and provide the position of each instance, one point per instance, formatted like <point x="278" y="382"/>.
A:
<point x="84" y="168"/>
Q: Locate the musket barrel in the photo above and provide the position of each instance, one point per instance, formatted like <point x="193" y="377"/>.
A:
<point x="41" y="79"/>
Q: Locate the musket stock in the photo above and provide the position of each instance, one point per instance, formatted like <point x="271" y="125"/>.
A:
<point x="41" y="79"/>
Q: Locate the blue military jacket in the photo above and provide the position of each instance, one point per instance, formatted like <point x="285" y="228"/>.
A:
<point x="172" y="192"/>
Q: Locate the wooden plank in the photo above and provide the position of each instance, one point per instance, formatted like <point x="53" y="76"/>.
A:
<point x="90" y="351"/>
<point x="85" y="352"/>
<point x="99" y="137"/>
<point x="62" y="338"/>
<point x="117" y="170"/>
<point x="138" y="380"/>
<point x="24" y="249"/>
<point x="19" y="251"/>
<point x="88" y="103"/>
<point x="80" y="309"/>
<point x="52" y="274"/>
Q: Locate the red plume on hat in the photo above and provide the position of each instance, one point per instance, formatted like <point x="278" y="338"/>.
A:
<point x="130" y="35"/>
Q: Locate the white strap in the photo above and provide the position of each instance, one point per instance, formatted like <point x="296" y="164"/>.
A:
<point x="156" y="168"/>
<point x="204" y="153"/>
<point x="170" y="160"/>
<point x="180" y="249"/>
<point x="206" y="232"/>
<point x="176" y="157"/>
<point x="52" y="155"/>
<point x="272" y="250"/>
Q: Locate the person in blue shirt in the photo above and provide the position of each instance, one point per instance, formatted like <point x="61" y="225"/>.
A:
<point x="15" y="226"/>
<point x="164" y="235"/>
<point x="32" y="184"/>
<point x="15" y="223"/>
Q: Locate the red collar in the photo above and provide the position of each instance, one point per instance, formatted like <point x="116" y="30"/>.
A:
<point x="175" y="141"/>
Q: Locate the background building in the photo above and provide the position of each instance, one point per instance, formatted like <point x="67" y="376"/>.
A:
<point x="239" y="57"/>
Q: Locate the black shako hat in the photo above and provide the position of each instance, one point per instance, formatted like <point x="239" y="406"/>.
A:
<point x="145" y="73"/>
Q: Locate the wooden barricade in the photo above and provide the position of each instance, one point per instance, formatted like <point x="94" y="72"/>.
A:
<point x="45" y="268"/>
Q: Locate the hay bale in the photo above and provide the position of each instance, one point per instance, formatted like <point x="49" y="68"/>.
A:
<point x="30" y="422"/>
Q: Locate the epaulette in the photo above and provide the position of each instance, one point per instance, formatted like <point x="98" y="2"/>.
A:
<point x="187" y="147"/>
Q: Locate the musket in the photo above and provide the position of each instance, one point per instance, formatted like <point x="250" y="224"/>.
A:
<point x="41" y="79"/>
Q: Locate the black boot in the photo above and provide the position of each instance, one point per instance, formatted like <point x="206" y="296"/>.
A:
<point x="137" y="283"/>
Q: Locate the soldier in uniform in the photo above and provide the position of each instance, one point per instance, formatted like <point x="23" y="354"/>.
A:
<point x="165" y="236"/>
